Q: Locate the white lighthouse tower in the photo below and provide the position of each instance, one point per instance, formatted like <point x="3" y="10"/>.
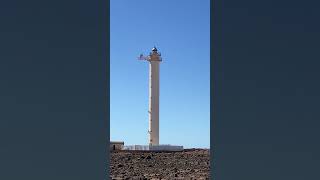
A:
<point x="154" y="59"/>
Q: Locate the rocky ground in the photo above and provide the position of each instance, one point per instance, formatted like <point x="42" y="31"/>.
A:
<point x="189" y="164"/>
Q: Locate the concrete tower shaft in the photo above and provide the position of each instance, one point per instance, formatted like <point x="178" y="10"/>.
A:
<point x="154" y="103"/>
<point x="154" y="59"/>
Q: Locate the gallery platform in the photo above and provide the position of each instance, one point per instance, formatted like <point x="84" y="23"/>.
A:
<point x="161" y="147"/>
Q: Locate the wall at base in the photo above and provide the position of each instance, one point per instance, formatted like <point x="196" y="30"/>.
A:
<point x="153" y="148"/>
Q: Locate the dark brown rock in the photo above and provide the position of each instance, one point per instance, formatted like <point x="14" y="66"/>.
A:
<point x="187" y="164"/>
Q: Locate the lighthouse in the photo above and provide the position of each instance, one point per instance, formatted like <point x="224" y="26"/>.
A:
<point x="154" y="59"/>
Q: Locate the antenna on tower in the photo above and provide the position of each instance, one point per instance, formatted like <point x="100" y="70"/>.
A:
<point x="142" y="57"/>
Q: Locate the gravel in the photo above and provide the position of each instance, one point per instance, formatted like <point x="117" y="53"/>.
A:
<point x="188" y="164"/>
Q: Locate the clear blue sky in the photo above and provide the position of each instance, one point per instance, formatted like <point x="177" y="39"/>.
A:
<point x="181" y="32"/>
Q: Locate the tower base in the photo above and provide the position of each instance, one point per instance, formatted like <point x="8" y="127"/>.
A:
<point x="161" y="147"/>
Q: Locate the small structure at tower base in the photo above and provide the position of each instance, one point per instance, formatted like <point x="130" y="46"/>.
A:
<point x="116" y="145"/>
<point x="161" y="147"/>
